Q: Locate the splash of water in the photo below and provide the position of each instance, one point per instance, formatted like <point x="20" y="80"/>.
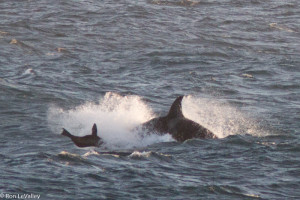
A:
<point x="221" y="118"/>
<point x="117" y="117"/>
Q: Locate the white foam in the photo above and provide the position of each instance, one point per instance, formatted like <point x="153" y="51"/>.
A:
<point x="222" y="119"/>
<point x="145" y="154"/>
<point x="28" y="71"/>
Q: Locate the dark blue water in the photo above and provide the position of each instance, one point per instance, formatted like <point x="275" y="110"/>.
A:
<point x="118" y="64"/>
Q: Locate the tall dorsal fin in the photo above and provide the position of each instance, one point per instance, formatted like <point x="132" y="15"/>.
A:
<point x="176" y="109"/>
<point x="94" y="130"/>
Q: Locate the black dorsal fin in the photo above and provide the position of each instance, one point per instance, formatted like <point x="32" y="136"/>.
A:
<point x="94" y="130"/>
<point x="176" y="109"/>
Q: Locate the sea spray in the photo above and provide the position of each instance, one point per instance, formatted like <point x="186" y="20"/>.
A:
<point x="116" y="117"/>
<point x="221" y="118"/>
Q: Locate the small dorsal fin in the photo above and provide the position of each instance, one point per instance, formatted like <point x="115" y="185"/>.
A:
<point x="94" y="130"/>
<point x="176" y="109"/>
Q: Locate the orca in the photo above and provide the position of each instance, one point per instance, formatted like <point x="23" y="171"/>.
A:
<point x="85" y="141"/>
<point x="177" y="125"/>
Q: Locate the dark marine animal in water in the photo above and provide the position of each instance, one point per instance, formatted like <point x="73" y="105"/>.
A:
<point x="177" y="125"/>
<point x="85" y="141"/>
<point x="173" y="123"/>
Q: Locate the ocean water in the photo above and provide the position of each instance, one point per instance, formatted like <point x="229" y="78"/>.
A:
<point x="69" y="64"/>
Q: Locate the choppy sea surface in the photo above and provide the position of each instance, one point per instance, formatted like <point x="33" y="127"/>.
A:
<point x="118" y="64"/>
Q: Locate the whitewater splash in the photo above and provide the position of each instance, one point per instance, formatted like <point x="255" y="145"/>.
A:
<point x="221" y="118"/>
<point x="117" y="117"/>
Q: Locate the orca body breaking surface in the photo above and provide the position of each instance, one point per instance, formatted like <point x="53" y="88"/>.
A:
<point x="173" y="123"/>
<point x="85" y="141"/>
<point x="177" y="125"/>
